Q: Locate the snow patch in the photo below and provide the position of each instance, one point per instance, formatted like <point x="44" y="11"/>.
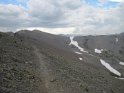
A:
<point x="111" y="69"/>
<point x="120" y="78"/>
<point x="75" y="43"/>
<point x="98" y="51"/>
<point x="121" y="63"/>
<point x="116" y="39"/>
<point x="78" y="52"/>
<point x="80" y="58"/>
<point x="91" y="55"/>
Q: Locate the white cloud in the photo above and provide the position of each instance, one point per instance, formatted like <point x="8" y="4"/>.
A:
<point x="11" y="10"/>
<point x="102" y="1"/>
<point x="11" y="16"/>
<point x="56" y="14"/>
<point x="43" y="9"/>
<point x="117" y="0"/>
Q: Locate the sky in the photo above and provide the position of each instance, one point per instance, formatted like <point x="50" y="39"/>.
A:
<point x="63" y="16"/>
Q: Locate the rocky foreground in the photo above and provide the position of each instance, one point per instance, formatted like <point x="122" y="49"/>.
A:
<point x="37" y="62"/>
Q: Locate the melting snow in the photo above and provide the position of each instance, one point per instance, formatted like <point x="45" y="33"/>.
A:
<point x="75" y="43"/>
<point x="111" y="69"/>
<point x="78" y="52"/>
<point x="80" y="59"/>
<point x="116" y="39"/>
<point x="91" y="55"/>
<point x="98" y="51"/>
<point x="120" y="78"/>
<point x="121" y="63"/>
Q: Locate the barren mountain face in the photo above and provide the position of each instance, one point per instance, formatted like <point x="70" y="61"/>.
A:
<point x="38" y="62"/>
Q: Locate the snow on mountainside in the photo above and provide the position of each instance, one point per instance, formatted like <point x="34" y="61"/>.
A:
<point x="86" y="45"/>
<point x="78" y="52"/>
<point x="75" y="43"/>
<point x="121" y="63"/>
<point x="98" y="51"/>
<point x="111" y="69"/>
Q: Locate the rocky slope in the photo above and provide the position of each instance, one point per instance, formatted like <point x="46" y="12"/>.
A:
<point x="38" y="62"/>
<point x="19" y="70"/>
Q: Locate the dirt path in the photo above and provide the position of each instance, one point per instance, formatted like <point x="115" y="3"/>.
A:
<point x="48" y="85"/>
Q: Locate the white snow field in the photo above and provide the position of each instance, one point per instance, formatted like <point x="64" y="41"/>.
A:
<point x="78" y="52"/>
<point x="120" y="78"/>
<point x="75" y="43"/>
<point x="116" y="39"/>
<point x="121" y="63"/>
<point x="99" y="51"/>
<point x="111" y="69"/>
<point x="80" y="58"/>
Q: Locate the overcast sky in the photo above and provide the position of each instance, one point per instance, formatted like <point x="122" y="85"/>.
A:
<point x="63" y="16"/>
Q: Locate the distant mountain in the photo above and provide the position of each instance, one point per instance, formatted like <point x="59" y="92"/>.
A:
<point x="38" y="62"/>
